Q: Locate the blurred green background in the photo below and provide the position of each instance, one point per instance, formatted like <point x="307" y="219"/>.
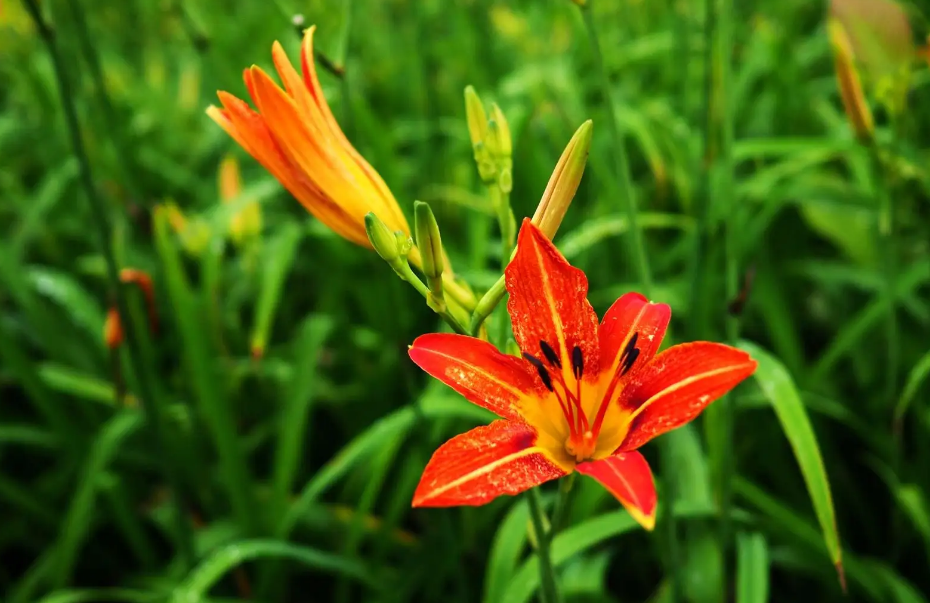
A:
<point x="202" y="473"/>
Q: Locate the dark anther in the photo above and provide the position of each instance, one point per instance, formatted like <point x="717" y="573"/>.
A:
<point x="541" y="369"/>
<point x="629" y="360"/>
<point x="550" y="354"/>
<point x="577" y="362"/>
<point x="630" y="354"/>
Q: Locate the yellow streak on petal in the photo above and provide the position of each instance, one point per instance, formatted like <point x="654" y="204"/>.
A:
<point x="481" y="471"/>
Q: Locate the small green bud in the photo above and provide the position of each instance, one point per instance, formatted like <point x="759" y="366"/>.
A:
<point x="382" y="239"/>
<point x="500" y="133"/>
<point x="404" y="243"/>
<point x="430" y="245"/>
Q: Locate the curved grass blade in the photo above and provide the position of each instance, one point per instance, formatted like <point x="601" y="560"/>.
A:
<point x="915" y="378"/>
<point x="214" y="567"/>
<point x="779" y="388"/>
<point x="372" y="439"/>
<point x="95" y="595"/>
<point x="578" y="539"/>
<point x="80" y="514"/>
<point x="596" y="230"/>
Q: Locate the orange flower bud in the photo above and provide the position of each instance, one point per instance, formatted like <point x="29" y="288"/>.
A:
<point x="112" y="329"/>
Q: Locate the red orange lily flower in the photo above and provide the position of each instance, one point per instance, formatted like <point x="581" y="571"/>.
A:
<point x="584" y="396"/>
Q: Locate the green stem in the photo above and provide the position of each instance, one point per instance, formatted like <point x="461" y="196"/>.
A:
<point x="724" y="51"/>
<point x="486" y="305"/>
<point x="500" y="201"/>
<point x="124" y="158"/>
<point x="562" y="503"/>
<point x="151" y="405"/>
<point x="408" y="275"/>
<point x="621" y="162"/>
<point x="550" y="592"/>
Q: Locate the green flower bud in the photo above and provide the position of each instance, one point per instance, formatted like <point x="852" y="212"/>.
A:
<point x="477" y="118"/>
<point x="430" y="245"/>
<point x="382" y="239"/>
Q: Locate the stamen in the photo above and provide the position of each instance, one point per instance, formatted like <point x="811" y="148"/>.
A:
<point x="627" y="360"/>
<point x="543" y="373"/>
<point x="550" y="354"/>
<point x="577" y="362"/>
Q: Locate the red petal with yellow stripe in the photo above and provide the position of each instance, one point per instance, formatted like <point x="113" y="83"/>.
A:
<point x="548" y="301"/>
<point x="477" y="370"/>
<point x="677" y="385"/>
<point x="628" y="477"/>
<point x="484" y="463"/>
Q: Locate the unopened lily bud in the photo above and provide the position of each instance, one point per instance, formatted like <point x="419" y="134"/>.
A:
<point x="564" y="182"/>
<point x="847" y="76"/>
<point x="404" y="243"/>
<point x="382" y="239"/>
<point x="500" y="148"/>
<point x="430" y="246"/>
<point x="246" y="223"/>
<point x="143" y="281"/>
<point x="477" y="118"/>
<point x="500" y="133"/>
<point x="194" y="233"/>
<point x="112" y="330"/>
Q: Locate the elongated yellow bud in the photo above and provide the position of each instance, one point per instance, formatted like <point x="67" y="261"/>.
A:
<point x="847" y="77"/>
<point x="475" y="115"/>
<point x="564" y="181"/>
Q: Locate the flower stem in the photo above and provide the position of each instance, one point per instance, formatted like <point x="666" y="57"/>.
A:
<point x="501" y="202"/>
<point x="486" y="305"/>
<point x="550" y="592"/>
<point x="408" y="275"/>
<point x="562" y="503"/>
<point x="721" y="122"/>
<point x="151" y="404"/>
<point x="621" y="162"/>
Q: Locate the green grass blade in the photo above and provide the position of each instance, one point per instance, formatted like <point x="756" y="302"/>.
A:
<point x="76" y="524"/>
<point x="915" y="378"/>
<point x="779" y="388"/>
<point x="509" y="542"/>
<point x="574" y="541"/>
<point x="95" y="595"/>
<point x="294" y="414"/>
<point x="752" y="568"/>
<point x="197" y="584"/>
<point x="202" y="370"/>
<point x="279" y="259"/>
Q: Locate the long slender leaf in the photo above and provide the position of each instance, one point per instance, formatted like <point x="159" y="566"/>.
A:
<point x="752" y="568"/>
<point x="195" y="587"/>
<point x="779" y="388"/>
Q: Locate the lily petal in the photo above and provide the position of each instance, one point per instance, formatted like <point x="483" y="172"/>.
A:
<point x="678" y="384"/>
<point x="548" y="303"/>
<point x="631" y="316"/>
<point x="627" y="476"/>
<point x="477" y="370"/>
<point x="484" y="463"/>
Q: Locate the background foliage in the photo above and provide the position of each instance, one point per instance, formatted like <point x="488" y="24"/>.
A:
<point x="296" y="469"/>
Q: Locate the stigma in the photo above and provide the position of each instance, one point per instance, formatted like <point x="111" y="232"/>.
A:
<point x="581" y="448"/>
